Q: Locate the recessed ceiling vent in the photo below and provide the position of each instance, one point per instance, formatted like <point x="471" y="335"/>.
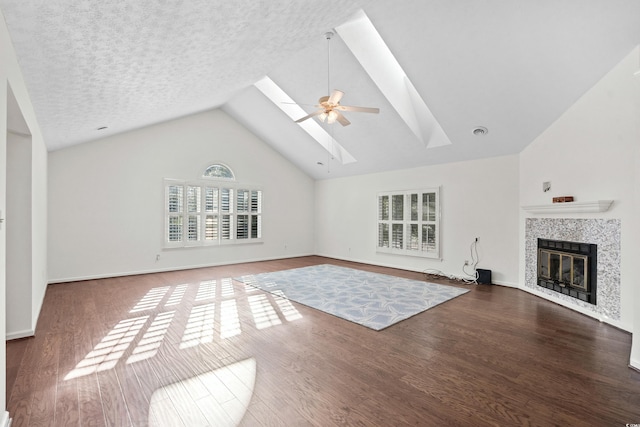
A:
<point x="480" y="131"/>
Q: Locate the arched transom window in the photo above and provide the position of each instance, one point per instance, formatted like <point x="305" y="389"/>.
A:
<point x="218" y="170"/>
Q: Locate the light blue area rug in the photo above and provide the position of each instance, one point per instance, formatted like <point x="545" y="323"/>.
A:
<point x="373" y="300"/>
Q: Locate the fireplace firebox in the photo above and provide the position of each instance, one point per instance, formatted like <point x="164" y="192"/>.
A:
<point x="568" y="268"/>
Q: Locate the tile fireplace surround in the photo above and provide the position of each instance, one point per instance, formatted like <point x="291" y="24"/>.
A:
<point x="603" y="232"/>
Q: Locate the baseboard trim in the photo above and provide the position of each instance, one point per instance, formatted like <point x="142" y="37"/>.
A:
<point x="192" y="267"/>
<point x="171" y="268"/>
<point x="19" y="334"/>
<point x="400" y="267"/>
<point x="635" y="364"/>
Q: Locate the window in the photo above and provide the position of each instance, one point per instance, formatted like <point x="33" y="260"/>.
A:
<point x="211" y="212"/>
<point x="249" y="206"/>
<point x="220" y="171"/>
<point x="409" y="222"/>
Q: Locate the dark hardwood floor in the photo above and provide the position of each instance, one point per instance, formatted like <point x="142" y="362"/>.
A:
<point x="193" y="347"/>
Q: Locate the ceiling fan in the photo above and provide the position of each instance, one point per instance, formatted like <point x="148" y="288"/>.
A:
<point x="329" y="107"/>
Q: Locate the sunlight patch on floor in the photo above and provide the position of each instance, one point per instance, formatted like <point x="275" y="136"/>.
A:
<point x="151" y="300"/>
<point x="263" y="312"/>
<point x="106" y="354"/>
<point x="206" y="290"/>
<point x="229" y="320"/>
<point x="150" y="343"/>
<point x="199" y="329"/>
<point x="123" y="341"/>
<point x="176" y="295"/>
<point x="248" y="288"/>
<point x="288" y="310"/>
<point x="217" y="398"/>
<point x="227" y="287"/>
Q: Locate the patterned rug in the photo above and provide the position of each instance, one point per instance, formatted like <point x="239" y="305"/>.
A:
<point x="373" y="300"/>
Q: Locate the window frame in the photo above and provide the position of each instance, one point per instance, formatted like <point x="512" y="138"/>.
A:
<point x="203" y="214"/>
<point x="400" y="230"/>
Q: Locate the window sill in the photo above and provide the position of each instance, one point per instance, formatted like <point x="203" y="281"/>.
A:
<point x="420" y="254"/>
<point x="241" y="242"/>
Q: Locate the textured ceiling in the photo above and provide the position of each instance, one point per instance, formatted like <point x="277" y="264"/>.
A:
<point x="512" y="66"/>
<point x="127" y="64"/>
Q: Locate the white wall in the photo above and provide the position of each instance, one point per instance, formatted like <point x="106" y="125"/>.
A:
<point x="3" y="209"/>
<point x="590" y="153"/>
<point x="19" y="236"/>
<point x="106" y="198"/>
<point x="11" y="76"/>
<point x="39" y="191"/>
<point x="478" y="199"/>
<point x="635" y="349"/>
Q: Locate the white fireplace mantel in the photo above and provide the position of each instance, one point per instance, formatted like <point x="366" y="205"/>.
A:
<point x="570" y="207"/>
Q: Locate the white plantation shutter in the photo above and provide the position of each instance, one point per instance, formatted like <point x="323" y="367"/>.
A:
<point x="256" y="226"/>
<point x="242" y="208"/>
<point x="211" y="210"/>
<point x="430" y="222"/>
<point x="174" y="201"/>
<point x="212" y="227"/>
<point x="242" y="228"/>
<point x="256" y="214"/>
<point x="226" y="208"/>
<point x="225" y="233"/>
<point x="202" y="213"/>
<point x="193" y="209"/>
<point x="249" y="214"/>
<point x="243" y="201"/>
<point x="409" y="222"/>
<point x="383" y="218"/>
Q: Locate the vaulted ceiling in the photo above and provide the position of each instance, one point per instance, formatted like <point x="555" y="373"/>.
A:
<point x="511" y="66"/>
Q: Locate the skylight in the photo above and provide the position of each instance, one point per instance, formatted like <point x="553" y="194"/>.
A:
<point x="294" y="111"/>
<point x="378" y="61"/>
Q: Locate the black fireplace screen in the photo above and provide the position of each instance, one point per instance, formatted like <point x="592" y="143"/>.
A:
<point x="568" y="268"/>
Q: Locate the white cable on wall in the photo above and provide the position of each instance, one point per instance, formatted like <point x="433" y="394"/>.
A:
<point x="467" y="278"/>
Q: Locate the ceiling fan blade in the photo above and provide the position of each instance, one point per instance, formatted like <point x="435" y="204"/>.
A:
<point x="342" y="119"/>
<point x="335" y="97"/>
<point x="358" y="109"/>
<point x="315" y="113"/>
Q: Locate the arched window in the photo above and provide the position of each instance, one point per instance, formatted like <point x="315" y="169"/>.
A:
<point x="218" y="170"/>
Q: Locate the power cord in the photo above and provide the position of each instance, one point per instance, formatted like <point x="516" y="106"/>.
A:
<point x="468" y="278"/>
<point x="474" y="261"/>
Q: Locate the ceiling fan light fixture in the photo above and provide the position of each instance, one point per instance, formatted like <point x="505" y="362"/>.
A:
<point x="329" y="108"/>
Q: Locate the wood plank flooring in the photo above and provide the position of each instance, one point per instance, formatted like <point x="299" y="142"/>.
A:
<point x="190" y="348"/>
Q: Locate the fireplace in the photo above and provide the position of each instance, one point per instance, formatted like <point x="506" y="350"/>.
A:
<point x="569" y="268"/>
